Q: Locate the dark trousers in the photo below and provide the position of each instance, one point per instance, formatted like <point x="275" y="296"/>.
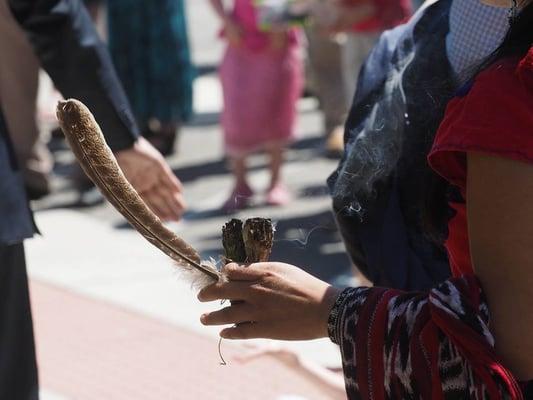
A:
<point x="18" y="368"/>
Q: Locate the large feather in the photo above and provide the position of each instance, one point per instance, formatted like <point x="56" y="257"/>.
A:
<point x="89" y="146"/>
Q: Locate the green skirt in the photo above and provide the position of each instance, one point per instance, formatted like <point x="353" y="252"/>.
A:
<point x="150" y="49"/>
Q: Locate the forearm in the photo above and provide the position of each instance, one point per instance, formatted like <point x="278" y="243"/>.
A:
<point x="69" y="49"/>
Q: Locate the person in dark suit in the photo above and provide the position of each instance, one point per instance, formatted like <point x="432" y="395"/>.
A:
<point x="68" y="48"/>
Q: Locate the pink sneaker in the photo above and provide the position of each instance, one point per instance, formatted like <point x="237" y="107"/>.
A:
<point x="278" y="195"/>
<point x="239" y="198"/>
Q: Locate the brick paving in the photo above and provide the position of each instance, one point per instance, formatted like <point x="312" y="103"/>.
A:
<point x="90" y="349"/>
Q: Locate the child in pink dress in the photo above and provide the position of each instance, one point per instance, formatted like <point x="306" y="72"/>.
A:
<point x="262" y="77"/>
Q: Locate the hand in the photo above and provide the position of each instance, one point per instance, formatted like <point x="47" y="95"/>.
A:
<point x="147" y="171"/>
<point x="270" y="300"/>
<point x="232" y="32"/>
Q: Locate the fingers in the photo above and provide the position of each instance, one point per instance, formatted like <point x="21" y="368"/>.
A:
<point x="167" y="205"/>
<point x="234" y="314"/>
<point x="156" y="204"/>
<point x="239" y="285"/>
<point x="169" y="189"/>
<point x="173" y="201"/>
<point x="179" y="204"/>
<point x="167" y="177"/>
<point x="252" y="272"/>
<point x="248" y="330"/>
<point x="225" y="291"/>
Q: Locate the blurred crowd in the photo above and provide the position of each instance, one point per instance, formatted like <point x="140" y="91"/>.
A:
<point x="317" y="52"/>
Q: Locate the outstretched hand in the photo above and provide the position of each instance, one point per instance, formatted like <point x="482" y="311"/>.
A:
<point x="147" y="171"/>
<point x="270" y="300"/>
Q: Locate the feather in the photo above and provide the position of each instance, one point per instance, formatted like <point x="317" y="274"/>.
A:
<point x="97" y="160"/>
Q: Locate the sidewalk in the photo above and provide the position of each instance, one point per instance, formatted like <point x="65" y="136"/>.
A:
<point x="90" y="350"/>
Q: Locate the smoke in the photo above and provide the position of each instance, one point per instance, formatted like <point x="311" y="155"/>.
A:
<point x="375" y="145"/>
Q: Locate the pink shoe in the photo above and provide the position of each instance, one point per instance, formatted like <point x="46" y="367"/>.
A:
<point x="239" y="198"/>
<point x="278" y="195"/>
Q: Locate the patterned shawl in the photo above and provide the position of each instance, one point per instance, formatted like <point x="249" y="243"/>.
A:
<point x="398" y="345"/>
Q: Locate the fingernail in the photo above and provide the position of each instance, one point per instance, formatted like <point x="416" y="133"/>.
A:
<point x="203" y="317"/>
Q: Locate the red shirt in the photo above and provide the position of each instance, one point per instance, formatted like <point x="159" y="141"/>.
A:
<point x="495" y="117"/>
<point x="389" y="13"/>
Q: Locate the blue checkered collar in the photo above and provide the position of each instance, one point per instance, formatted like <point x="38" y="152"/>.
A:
<point x="476" y="30"/>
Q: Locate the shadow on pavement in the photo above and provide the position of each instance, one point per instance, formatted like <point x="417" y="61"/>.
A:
<point x="204" y="119"/>
<point x="220" y="167"/>
<point x="201" y="170"/>
<point x="314" y="142"/>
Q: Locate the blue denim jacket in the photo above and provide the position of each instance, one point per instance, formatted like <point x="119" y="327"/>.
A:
<point x="401" y="96"/>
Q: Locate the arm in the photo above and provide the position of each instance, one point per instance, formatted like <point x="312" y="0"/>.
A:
<point x="389" y="340"/>
<point x="69" y="49"/>
<point x="500" y="220"/>
<point x="232" y="31"/>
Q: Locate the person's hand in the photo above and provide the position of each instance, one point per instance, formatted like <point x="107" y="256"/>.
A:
<point x="270" y="300"/>
<point x="232" y="32"/>
<point x="147" y="171"/>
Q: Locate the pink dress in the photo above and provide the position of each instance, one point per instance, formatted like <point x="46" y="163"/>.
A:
<point x="260" y="87"/>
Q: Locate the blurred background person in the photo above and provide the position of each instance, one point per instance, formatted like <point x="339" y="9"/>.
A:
<point x="325" y="72"/>
<point x="19" y="81"/>
<point x="262" y="77"/>
<point x="362" y="22"/>
<point x="340" y="37"/>
<point x="150" y="49"/>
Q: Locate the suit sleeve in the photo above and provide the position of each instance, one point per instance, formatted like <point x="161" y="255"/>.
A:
<point x="66" y="42"/>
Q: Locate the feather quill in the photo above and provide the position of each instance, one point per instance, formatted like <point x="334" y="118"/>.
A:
<point x="97" y="160"/>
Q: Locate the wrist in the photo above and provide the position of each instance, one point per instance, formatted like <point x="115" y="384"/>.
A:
<point x="328" y="301"/>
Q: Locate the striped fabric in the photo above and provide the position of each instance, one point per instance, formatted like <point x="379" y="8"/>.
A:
<point x="435" y="345"/>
